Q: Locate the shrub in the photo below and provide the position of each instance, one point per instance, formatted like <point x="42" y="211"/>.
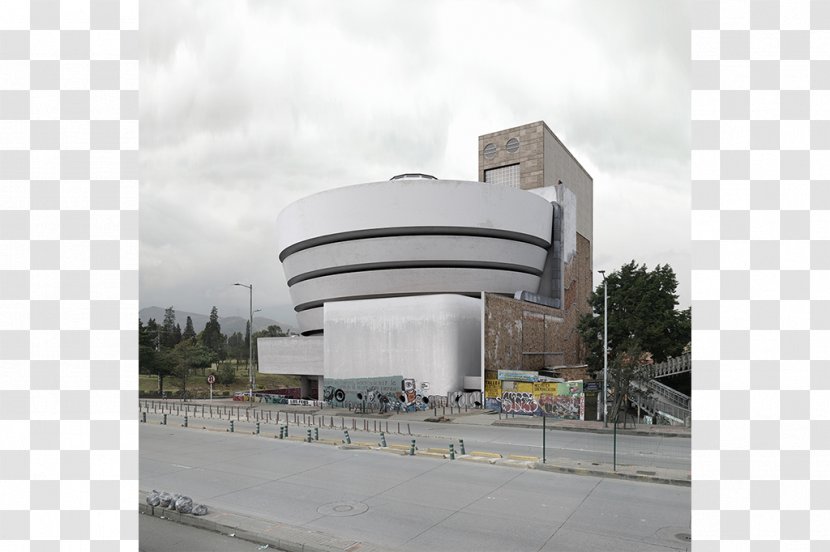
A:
<point x="226" y="375"/>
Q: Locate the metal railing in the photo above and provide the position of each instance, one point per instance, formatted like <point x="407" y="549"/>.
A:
<point x="656" y="407"/>
<point x="672" y="366"/>
<point x="670" y="395"/>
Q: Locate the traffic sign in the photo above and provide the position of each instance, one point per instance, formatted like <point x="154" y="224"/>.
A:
<point x="211" y="379"/>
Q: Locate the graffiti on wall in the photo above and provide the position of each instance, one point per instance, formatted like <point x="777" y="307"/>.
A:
<point x="520" y="402"/>
<point x="556" y="399"/>
<point x="392" y="394"/>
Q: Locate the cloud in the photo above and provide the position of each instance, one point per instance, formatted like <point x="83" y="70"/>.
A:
<point x="246" y="107"/>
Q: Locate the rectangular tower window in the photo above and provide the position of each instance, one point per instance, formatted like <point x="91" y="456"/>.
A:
<point x="507" y="175"/>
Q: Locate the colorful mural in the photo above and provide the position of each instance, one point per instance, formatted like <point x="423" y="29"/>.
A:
<point x="521" y="397"/>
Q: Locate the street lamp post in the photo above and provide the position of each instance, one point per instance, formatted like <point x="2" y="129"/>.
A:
<point x="250" y="338"/>
<point x="604" y="351"/>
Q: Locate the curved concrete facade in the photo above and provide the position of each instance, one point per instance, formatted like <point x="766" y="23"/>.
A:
<point x="411" y="237"/>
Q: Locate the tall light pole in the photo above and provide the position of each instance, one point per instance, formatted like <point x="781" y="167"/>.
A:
<point x="604" y="351"/>
<point x="250" y="338"/>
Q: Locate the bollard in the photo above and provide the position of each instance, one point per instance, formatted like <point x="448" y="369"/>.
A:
<point x="382" y="439"/>
<point x="316" y="434"/>
<point x="308" y="437"/>
<point x="399" y="428"/>
<point x="281" y="435"/>
<point x="286" y="426"/>
<point x="231" y="430"/>
<point x="461" y="443"/>
<point x="257" y="428"/>
<point x="347" y="440"/>
<point x="144" y="417"/>
<point x="412" y="448"/>
<point x="185" y="421"/>
<point x="164" y="419"/>
<point x="452" y="452"/>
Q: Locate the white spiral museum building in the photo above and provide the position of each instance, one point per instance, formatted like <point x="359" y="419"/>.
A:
<point x="390" y="280"/>
<point x="410" y="237"/>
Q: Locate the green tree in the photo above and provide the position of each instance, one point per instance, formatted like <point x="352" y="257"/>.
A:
<point x="169" y="337"/>
<point x="211" y="337"/>
<point x="237" y="349"/>
<point x="628" y="366"/>
<point x="189" y="332"/>
<point x="151" y="361"/>
<point x="187" y="356"/>
<point x="642" y="315"/>
<point x="226" y="374"/>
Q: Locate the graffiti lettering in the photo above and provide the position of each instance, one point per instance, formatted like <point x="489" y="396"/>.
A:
<point x="518" y="402"/>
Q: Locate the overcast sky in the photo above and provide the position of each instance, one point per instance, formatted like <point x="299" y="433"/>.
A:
<point x="248" y="106"/>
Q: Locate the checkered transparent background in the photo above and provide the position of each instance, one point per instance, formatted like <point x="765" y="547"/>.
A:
<point x="68" y="274"/>
<point x="760" y="109"/>
<point x="760" y="265"/>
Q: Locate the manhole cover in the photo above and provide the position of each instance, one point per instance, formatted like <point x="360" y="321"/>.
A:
<point x="342" y="509"/>
<point x="675" y="534"/>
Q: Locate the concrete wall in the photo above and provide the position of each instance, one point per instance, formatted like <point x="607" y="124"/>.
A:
<point x="433" y="339"/>
<point x="560" y="165"/>
<point x="290" y="355"/>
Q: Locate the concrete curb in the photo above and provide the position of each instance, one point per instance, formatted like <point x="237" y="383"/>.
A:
<point x="277" y="535"/>
<point x="595" y="430"/>
<point x="612" y="474"/>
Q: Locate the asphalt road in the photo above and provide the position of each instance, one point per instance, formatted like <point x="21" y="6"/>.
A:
<point x="158" y="535"/>
<point x="412" y="502"/>
<point x="632" y="450"/>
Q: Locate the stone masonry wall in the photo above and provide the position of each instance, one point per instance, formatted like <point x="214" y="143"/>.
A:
<point x="526" y="336"/>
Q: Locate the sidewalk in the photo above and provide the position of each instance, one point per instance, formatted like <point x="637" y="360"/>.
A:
<point x="470" y="417"/>
<point x="280" y="536"/>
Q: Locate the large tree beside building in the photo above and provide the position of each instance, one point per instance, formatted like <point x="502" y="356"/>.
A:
<point x="642" y="315"/>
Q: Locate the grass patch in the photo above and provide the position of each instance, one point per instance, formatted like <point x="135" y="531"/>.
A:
<point x="198" y="386"/>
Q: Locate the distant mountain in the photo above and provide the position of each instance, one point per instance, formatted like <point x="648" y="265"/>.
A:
<point x="228" y="324"/>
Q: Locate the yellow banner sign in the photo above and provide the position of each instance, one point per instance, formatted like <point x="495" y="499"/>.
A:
<point x="492" y="388"/>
